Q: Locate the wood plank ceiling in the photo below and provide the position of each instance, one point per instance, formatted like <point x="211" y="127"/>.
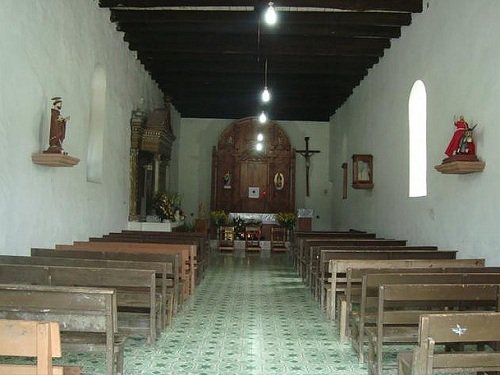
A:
<point x="209" y="55"/>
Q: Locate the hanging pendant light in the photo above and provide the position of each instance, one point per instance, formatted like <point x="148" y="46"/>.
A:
<point x="271" y="17"/>
<point x="265" y="96"/>
<point x="263" y="117"/>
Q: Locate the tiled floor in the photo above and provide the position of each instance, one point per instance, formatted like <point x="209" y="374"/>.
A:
<point x="251" y="315"/>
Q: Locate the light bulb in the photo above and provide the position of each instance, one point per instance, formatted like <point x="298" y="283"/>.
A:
<point x="270" y="16"/>
<point x="266" y="95"/>
<point x="260" y="137"/>
<point x="259" y="146"/>
<point x="262" y="117"/>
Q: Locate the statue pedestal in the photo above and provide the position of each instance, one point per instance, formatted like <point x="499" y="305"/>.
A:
<point x="54" y="160"/>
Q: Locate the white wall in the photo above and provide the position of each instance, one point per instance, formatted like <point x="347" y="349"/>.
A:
<point x="453" y="48"/>
<point x="51" y="48"/>
<point x="198" y="136"/>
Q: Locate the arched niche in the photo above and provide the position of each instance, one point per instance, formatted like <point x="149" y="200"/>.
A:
<point x="247" y="180"/>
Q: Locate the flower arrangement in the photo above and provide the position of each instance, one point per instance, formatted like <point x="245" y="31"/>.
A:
<point x="218" y="217"/>
<point x="286" y="219"/>
<point x="239" y="227"/>
<point x="168" y="206"/>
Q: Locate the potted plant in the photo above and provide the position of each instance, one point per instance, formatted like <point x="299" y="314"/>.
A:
<point x="286" y="220"/>
<point x="218" y="217"/>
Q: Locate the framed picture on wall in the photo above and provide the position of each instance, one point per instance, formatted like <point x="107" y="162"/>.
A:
<point x="362" y="171"/>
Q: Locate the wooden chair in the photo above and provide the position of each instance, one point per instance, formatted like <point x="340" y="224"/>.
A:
<point x="278" y="239"/>
<point x="226" y="238"/>
<point x="27" y="338"/>
<point x="252" y="238"/>
<point x="464" y="328"/>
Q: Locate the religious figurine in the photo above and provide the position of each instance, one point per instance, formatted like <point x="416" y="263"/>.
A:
<point x="57" y="128"/>
<point x="454" y="146"/>
<point x="279" y="181"/>
<point x="227" y="180"/>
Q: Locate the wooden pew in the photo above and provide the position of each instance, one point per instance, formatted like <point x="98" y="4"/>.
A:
<point x="397" y="324"/>
<point x="362" y="291"/>
<point x="300" y="236"/>
<point x="456" y="328"/>
<point x="305" y="249"/>
<point x="369" y="297"/>
<point x="86" y="316"/>
<point x="135" y="289"/>
<point x="397" y="252"/>
<point x="161" y="269"/>
<point x="338" y="270"/>
<point x="174" y="282"/>
<point x="187" y="256"/>
<point x="189" y="238"/>
<point x="28" y="338"/>
<point x="339" y="284"/>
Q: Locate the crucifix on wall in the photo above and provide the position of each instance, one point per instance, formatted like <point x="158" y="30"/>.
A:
<point x="307" y="155"/>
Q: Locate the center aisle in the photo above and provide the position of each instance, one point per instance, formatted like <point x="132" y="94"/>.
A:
<point x="249" y="316"/>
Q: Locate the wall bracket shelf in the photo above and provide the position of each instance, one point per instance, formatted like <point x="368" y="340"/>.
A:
<point x="461" y="167"/>
<point x="54" y="160"/>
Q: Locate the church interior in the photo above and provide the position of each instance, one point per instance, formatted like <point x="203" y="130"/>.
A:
<point x="170" y="229"/>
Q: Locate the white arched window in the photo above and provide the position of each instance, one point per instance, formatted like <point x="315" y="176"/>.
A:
<point x="417" y="114"/>
<point x="97" y="125"/>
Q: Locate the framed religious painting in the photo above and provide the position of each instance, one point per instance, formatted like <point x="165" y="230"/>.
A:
<point x="362" y="171"/>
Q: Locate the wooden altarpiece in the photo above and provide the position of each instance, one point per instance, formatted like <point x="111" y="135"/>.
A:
<point x="150" y="151"/>
<point x="251" y="181"/>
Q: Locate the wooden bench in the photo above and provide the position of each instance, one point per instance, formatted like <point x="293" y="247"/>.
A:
<point x="189" y="238"/>
<point x="174" y="281"/>
<point x="371" y="283"/>
<point x="187" y="256"/>
<point x="456" y="328"/>
<point x="337" y="269"/>
<point x="361" y="288"/>
<point x="27" y="338"/>
<point x="326" y="255"/>
<point x="361" y="242"/>
<point x="87" y="317"/>
<point x="301" y="236"/>
<point x="400" y="307"/>
<point x="161" y="269"/>
<point x="137" y="300"/>
<point x="311" y="246"/>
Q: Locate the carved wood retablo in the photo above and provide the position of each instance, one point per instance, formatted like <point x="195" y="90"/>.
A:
<point x="247" y="180"/>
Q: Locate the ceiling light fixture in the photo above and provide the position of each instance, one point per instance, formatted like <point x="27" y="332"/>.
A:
<point x="265" y="96"/>
<point x="271" y="17"/>
<point x="260" y="137"/>
<point x="259" y="146"/>
<point x="263" y="117"/>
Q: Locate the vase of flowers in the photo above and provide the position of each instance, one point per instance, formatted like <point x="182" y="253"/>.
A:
<point x="218" y="217"/>
<point x="286" y="220"/>
<point x="168" y="206"/>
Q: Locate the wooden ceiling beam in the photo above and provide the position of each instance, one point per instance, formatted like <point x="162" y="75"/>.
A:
<point x="359" y="5"/>
<point x="166" y="29"/>
<point x="165" y="58"/>
<point x="217" y="17"/>
<point x="357" y="47"/>
<point x="292" y="85"/>
<point x="274" y="68"/>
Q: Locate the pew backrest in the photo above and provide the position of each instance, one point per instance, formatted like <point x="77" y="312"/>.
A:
<point x="29" y="338"/>
<point x="457" y="328"/>
<point x="92" y="311"/>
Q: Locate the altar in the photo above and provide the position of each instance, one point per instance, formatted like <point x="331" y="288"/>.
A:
<point x="264" y="218"/>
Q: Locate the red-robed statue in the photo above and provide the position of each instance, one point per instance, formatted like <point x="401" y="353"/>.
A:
<point x="461" y="127"/>
<point x="57" y="128"/>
